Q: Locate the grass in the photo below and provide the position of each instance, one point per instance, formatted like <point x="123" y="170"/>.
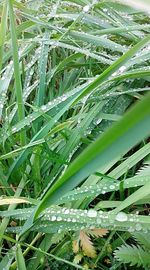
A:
<point x="74" y="137"/>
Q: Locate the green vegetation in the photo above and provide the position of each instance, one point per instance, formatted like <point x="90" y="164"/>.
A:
<point x="74" y="135"/>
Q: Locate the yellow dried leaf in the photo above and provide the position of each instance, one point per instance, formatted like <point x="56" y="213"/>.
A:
<point x="75" y="246"/>
<point x="13" y="201"/>
<point x="77" y="258"/>
<point x="98" y="232"/>
<point x="87" y="245"/>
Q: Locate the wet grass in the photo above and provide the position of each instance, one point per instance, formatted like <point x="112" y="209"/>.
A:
<point x="74" y="136"/>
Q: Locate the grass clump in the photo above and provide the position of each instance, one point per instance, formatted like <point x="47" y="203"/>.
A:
<point x="74" y="137"/>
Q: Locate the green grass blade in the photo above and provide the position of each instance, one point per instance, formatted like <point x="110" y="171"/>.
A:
<point x="3" y="28"/>
<point x="116" y="65"/>
<point x="136" y="196"/>
<point x="118" y="140"/>
<point x="18" y="85"/>
<point x="42" y="73"/>
<point x="139" y="4"/>
<point x="43" y="131"/>
<point x="20" y="259"/>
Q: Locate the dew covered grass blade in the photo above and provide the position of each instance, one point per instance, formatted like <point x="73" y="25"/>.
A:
<point x="96" y="154"/>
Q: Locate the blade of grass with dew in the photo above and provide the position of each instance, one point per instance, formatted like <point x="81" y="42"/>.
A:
<point x="109" y="71"/>
<point x="78" y="219"/>
<point x="139" y="4"/>
<point x="76" y="49"/>
<point x="34" y="116"/>
<point x="73" y="75"/>
<point x="134" y="197"/>
<point x="74" y="140"/>
<point x="37" y="142"/>
<point x="119" y="30"/>
<point x="102" y="188"/>
<point x="43" y="132"/>
<point x="116" y="65"/>
<point x="18" y="85"/>
<point x="98" y="41"/>
<point x="42" y="72"/>
<point x="136" y="121"/>
<point x="3" y="28"/>
<point x="88" y="161"/>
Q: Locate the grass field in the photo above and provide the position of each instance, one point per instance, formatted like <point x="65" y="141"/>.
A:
<point x="74" y="134"/>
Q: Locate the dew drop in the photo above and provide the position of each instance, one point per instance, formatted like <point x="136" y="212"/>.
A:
<point x="86" y="8"/>
<point x="105" y="9"/>
<point x="99" y="220"/>
<point x="92" y="213"/>
<point x="138" y="227"/>
<point x="122" y="68"/>
<point x="43" y="107"/>
<point x="53" y="218"/>
<point x="67" y="211"/>
<point x="59" y="218"/>
<point x="14" y="129"/>
<point x="131" y="229"/>
<point x="112" y="187"/>
<point x="73" y="220"/>
<point x="121" y="216"/>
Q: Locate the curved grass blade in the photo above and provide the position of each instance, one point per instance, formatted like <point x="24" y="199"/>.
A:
<point x="43" y="131"/>
<point x="132" y="128"/>
<point x="116" y="65"/>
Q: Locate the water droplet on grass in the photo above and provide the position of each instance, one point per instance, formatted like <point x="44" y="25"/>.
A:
<point x="122" y="69"/>
<point x="67" y="211"/>
<point x="138" y="227"/>
<point x="92" y="213"/>
<point x="86" y="8"/>
<point x="53" y="218"/>
<point x="59" y="218"/>
<point x="112" y="187"/>
<point x="121" y="216"/>
<point x="74" y="220"/>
